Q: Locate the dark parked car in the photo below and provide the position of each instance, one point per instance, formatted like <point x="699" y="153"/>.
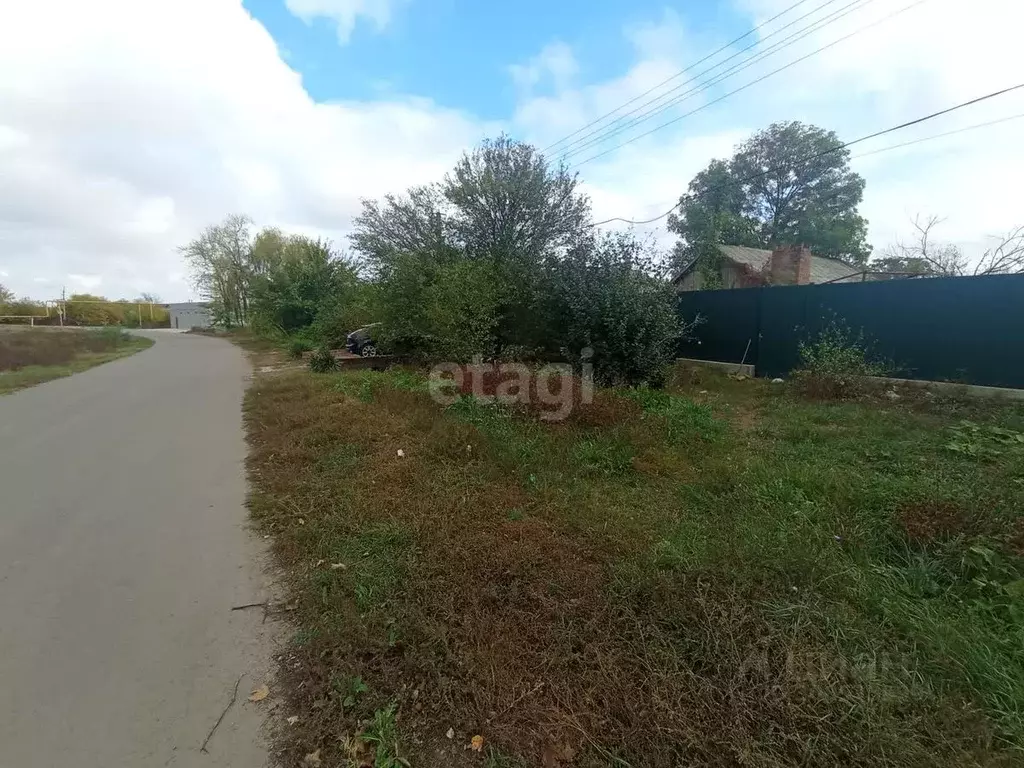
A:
<point x="361" y="342"/>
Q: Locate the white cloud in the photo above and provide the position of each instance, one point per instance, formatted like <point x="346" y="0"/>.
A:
<point x="345" y="13"/>
<point x="920" y="61"/>
<point x="555" y="62"/>
<point x="119" y="142"/>
<point x="138" y="134"/>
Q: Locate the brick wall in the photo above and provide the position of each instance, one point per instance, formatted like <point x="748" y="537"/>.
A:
<point x="791" y="265"/>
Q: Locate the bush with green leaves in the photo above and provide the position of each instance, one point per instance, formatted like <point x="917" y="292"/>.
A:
<point x="606" y="297"/>
<point x="499" y="260"/>
<point x="299" y="276"/>
<point x="338" y="315"/>
<point x="298" y="346"/>
<point x="462" y="310"/>
<point x="835" y="362"/>
<point x="322" y="361"/>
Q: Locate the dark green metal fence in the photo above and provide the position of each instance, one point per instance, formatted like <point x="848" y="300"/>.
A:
<point x="964" y="329"/>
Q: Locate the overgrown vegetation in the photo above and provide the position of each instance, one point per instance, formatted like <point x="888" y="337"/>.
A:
<point x="716" y="573"/>
<point x="277" y="284"/>
<point x="32" y="356"/>
<point x="789" y="183"/>
<point x="84" y="309"/>
<point x="835" y="363"/>
<point x="322" y="361"/>
<point x="497" y="260"/>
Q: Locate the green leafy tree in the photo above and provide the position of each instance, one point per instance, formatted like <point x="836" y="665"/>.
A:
<point x="709" y="214"/>
<point x="515" y="211"/>
<point x="499" y="260"/>
<point x="509" y="205"/>
<point x="503" y="206"/>
<point x="788" y="184"/>
<point x="222" y="267"/>
<point x="461" y="307"/>
<point x="418" y="223"/>
<point x="299" y="278"/>
<point x="267" y="250"/>
<point x="6" y="295"/>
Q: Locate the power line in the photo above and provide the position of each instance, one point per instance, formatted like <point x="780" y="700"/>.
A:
<point x="874" y="135"/>
<point x="940" y="135"/>
<point x="679" y="73"/>
<point x="753" y="82"/>
<point x="567" y="149"/>
<point x="609" y="130"/>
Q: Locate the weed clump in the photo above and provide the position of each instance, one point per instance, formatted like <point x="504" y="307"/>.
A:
<point x="297" y="347"/>
<point x="835" y="364"/>
<point x="322" y="361"/>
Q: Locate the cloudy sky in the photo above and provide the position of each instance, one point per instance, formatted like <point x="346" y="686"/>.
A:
<point x="128" y="125"/>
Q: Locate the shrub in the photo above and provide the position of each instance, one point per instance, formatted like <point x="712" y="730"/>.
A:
<point x="298" y="346"/>
<point x="500" y="260"/>
<point x="607" y="298"/>
<point x="462" y="310"/>
<point x="112" y="337"/>
<point x="322" y="361"/>
<point x="338" y="315"/>
<point x="834" y="363"/>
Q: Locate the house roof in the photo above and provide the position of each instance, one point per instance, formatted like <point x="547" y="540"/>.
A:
<point x="823" y="270"/>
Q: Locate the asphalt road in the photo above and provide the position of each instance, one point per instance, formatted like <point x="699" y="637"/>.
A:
<point x="123" y="547"/>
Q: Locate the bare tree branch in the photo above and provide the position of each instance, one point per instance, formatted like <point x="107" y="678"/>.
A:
<point x="925" y="255"/>
<point x="1006" y="257"/>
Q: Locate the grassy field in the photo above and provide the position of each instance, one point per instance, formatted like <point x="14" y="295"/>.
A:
<point x="29" y="357"/>
<point x="721" y="573"/>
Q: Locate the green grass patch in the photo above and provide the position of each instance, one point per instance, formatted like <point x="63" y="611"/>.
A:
<point x="719" y="575"/>
<point x="682" y="419"/>
<point x="382" y="733"/>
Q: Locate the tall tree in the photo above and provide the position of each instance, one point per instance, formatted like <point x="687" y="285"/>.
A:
<point x="709" y="214"/>
<point x="513" y="210"/>
<point x="502" y="206"/>
<point x="267" y="251"/>
<point x="418" y="223"/>
<point x="510" y="204"/>
<point x="788" y="184"/>
<point x="6" y="295"/>
<point x="222" y="267"/>
<point x="299" y="280"/>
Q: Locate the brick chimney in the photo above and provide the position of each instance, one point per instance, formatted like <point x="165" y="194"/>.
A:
<point x="791" y="265"/>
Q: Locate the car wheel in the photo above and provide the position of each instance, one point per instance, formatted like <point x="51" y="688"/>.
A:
<point x="368" y="350"/>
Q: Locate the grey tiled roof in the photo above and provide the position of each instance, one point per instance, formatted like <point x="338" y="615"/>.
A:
<point x="822" y="270"/>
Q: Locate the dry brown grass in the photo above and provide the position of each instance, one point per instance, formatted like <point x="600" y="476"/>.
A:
<point x="497" y="579"/>
<point x="927" y="523"/>
<point x="22" y="348"/>
<point x="33" y="356"/>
